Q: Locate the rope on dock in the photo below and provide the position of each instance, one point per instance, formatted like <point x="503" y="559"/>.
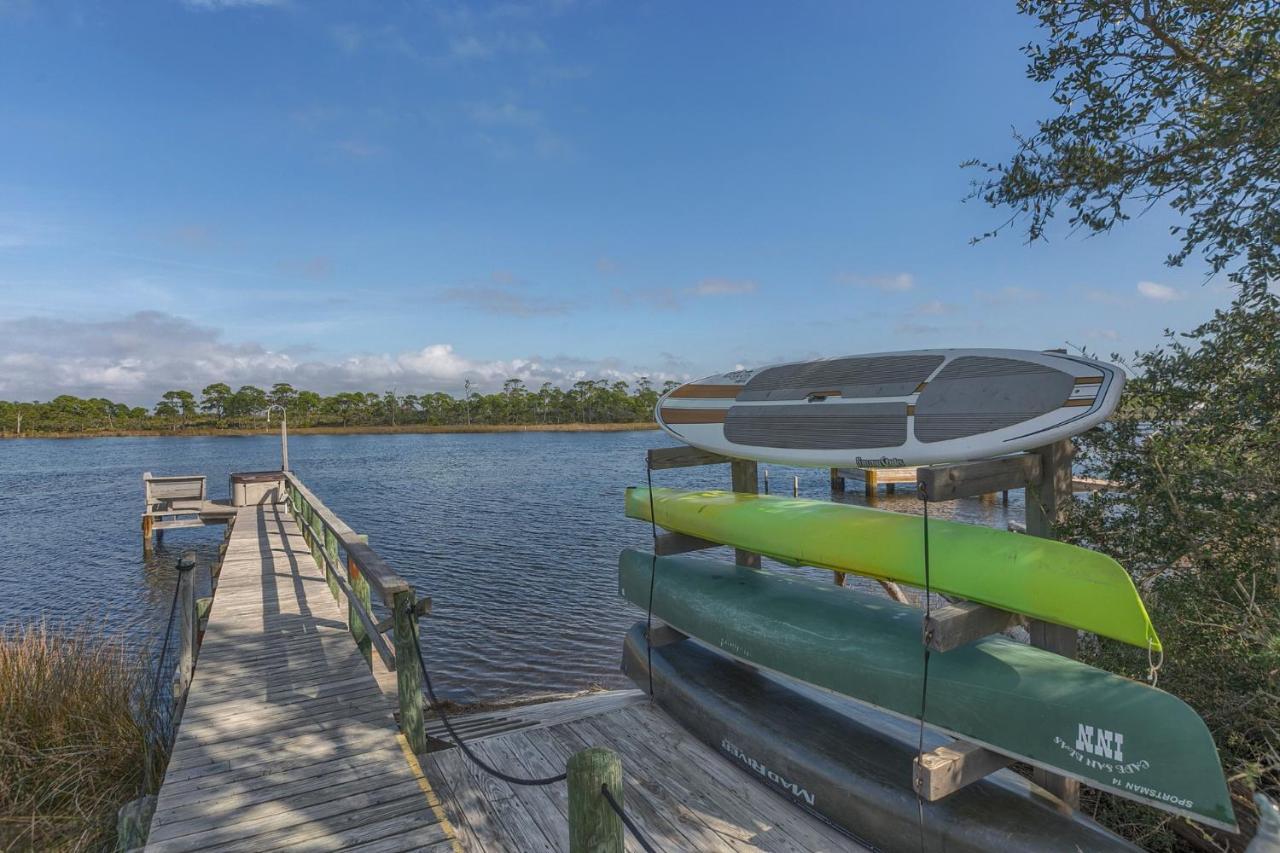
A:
<point x="495" y="772"/>
<point x="457" y="739"/>
<point x="185" y="564"/>
<point x="626" y="821"/>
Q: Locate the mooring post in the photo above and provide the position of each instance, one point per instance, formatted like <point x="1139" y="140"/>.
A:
<point x="869" y="480"/>
<point x="795" y="486"/>
<point x="147" y="522"/>
<point x="188" y="621"/>
<point x="409" y="670"/>
<point x="594" y="827"/>
<point x="1045" y="503"/>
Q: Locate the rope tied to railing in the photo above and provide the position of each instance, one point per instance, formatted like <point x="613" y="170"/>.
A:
<point x="185" y="564"/>
<point x="627" y="821"/>
<point x="448" y="726"/>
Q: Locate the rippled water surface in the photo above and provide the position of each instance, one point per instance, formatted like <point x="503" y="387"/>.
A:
<point x="515" y="536"/>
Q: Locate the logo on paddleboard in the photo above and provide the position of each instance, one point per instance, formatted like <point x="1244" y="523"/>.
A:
<point x="792" y="788"/>
<point x="882" y="462"/>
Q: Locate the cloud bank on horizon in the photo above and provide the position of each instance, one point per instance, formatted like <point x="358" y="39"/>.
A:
<point x="413" y="195"/>
<point x="137" y="358"/>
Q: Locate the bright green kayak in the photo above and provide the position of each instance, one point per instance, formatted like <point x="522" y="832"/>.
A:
<point x="1046" y="580"/>
<point x="1110" y="732"/>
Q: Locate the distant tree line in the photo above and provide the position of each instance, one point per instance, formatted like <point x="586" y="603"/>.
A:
<point x="219" y="407"/>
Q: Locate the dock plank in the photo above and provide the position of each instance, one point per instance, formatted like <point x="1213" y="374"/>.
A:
<point x="682" y="793"/>
<point x="287" y="739"/>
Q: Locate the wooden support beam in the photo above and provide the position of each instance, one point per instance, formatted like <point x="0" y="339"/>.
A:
<point x="973" y="479"/>
<point x="680" y="543"/>
<point x="1046" y="501"/>
<point x="409" y="670"/>
<point x="594" y="827"/>
<point x="746" y="479"/>
<point x="962" y="623"/>
<point x="683" y="457"/>
<point x="187" y="628"/>
<point x="147" y="523"/>
<point x="870" y="477"/>
<point x="360" y="592"/>
<point x="947" y="769"/>
<point x="837" y="480"/>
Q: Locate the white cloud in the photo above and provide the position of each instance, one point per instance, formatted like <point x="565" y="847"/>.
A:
<point x="136" y="358"/>
<point x="1011" y="295"/>
<point x="895" y="283"/>
<point x="936" y="308"/>
<point x="219" y="5"/>
<point x="723" y="287"/>
<point x="1159" y="292"/>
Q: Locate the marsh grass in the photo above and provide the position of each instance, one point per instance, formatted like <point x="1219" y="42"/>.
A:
<point x="74" y="736"/>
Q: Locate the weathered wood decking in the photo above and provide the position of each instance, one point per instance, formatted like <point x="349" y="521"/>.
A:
<point x="287" y="740"/>
<point x="682" y="794"/>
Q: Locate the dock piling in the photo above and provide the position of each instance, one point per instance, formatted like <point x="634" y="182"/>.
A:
<point x="594" y="827"/>
<point x="188" y="622"/>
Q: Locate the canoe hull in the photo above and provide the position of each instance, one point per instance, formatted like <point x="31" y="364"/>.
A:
<point x="1053" y="712"/>
<point x="887" y="410"/>
<point x="1047" y="580"/>
<point x="849" y="765"/>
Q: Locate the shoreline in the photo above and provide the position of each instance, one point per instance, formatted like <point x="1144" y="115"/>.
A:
<point x="404" y="429"/>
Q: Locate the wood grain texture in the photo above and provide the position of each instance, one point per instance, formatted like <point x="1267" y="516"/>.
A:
<point x="287" y="740"/>
<point x="681" y="793"/>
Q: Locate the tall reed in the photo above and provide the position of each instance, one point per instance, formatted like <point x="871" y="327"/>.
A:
<point x="74" y="736"/>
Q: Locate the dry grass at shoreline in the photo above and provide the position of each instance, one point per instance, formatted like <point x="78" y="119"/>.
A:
<point x="401" y="429"/>
<point x="72" y="737"/>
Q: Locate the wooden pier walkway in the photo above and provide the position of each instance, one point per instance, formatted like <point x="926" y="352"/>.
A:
<point x="287" y="739"/>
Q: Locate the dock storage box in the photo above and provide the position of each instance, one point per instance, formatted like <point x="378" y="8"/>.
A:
<point x="257" y="487"/>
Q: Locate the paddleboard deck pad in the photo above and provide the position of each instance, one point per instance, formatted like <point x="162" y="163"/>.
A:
<point x="1047" y="580"/>
<point x="1053" y="712"/>
<point x="848" y="765"/>
<point x="889" y="410"/>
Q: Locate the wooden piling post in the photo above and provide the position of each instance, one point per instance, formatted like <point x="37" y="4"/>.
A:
<point x="1046" y="501"/>
<point x="360" y="587"/>
<point x="795" y="486"/>
<point x="869" y="480"/>
<point x="837" y="481"/>
<point x="745" y="474"/>
<point x="594" y="827"/>
<point x="188" y="622"/>
<point x="331" y="562"/>
<point x="409" y="671"/>
<point x="147" y="523"/>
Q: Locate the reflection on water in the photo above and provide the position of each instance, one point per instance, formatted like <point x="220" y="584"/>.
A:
<point x="515" y="536"/>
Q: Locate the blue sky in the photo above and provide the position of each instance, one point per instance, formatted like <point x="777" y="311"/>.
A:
<point x="404" y="195"/>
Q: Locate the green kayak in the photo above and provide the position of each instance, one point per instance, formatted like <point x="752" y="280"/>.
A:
<point x="1107" y="731"/>
<point x="1046" y="580"/>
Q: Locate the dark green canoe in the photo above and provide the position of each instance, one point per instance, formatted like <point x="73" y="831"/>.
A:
<point x="1105" y="730"/>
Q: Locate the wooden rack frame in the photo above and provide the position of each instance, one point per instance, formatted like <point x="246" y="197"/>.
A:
<point x="1045" y="473"/>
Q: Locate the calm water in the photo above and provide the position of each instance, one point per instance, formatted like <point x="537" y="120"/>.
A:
<point x="515" y="536"/>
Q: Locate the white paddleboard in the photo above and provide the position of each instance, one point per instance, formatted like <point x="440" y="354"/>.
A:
<point x="894" y="409"/>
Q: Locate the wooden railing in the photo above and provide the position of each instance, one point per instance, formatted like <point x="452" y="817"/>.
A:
<point x="355" y="571"/>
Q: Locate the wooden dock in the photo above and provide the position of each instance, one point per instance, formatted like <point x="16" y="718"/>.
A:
<point x="682" y="794"/>
<point x="290" y="736"/>
<point x="287" y="739"/>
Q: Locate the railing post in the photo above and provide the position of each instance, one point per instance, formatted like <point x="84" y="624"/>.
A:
<point x="331" y="562"/>
<point x="409" y="670"/>
<point x="187" y="626"/>
<point x="360" y="587"/>
<point x="594" y="827"/>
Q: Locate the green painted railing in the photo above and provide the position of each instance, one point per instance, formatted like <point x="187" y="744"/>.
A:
<point x="355" y="571"/>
